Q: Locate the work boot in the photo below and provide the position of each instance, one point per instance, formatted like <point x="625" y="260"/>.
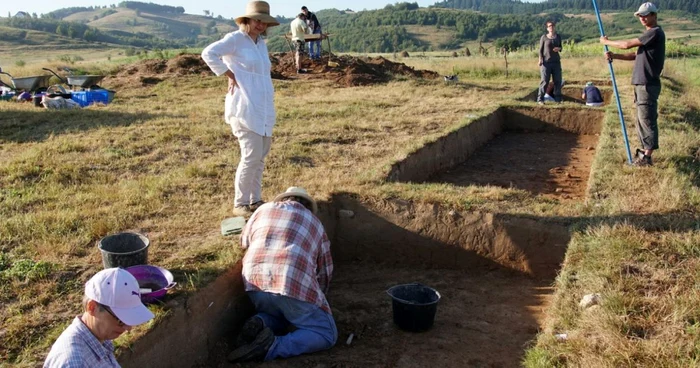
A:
<point x="644" y="160"/>
<point x="243" y="211"/>
<point x="256" y="350"/>
<point x="250" y="330"/>
<point x="254" y="207"/>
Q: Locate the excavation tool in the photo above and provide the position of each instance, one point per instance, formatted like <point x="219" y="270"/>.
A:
<point x="332" y="64"/>
<point x="614" y="83"/>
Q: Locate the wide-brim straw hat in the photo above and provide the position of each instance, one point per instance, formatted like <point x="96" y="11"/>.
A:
<point x="259" y="10"/>
<point x="297" y="192"/>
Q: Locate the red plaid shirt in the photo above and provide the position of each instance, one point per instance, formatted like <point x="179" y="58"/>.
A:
<point x="288" y="253"/>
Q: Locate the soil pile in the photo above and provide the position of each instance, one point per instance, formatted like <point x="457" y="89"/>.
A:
<point x="351" y="71"/>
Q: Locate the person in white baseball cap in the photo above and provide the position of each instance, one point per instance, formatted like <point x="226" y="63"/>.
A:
<point x="111" y="306"/>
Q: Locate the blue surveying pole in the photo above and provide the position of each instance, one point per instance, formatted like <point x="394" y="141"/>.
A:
<point x="614" y="83"/>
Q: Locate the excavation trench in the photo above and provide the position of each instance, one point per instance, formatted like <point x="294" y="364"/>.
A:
<point x="544" y="151"/>
<point x="494" y="272"/>
<point x="573" y="94"/>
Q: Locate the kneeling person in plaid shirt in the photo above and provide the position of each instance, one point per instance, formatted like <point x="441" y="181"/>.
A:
<point x="286" y="272"/>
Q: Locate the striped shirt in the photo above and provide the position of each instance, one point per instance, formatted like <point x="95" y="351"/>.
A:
<point x="288" y="253"/>
<point x="78" y="347"/>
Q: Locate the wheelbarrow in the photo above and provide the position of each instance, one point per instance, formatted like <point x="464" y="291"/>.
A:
<point x="28" y="84"/>
<point x="80" y="81"/>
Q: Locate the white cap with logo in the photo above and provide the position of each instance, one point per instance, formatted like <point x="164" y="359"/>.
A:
<point x="645" y="9"/>
<point x="117" y="289"/>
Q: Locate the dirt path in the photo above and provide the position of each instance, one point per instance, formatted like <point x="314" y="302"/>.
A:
<point x="482" y="320"/>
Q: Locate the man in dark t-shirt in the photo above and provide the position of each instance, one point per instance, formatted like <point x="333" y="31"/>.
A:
<point x="591" y="94"/>
<point x="646" y="77"/>
<point x="315" y="26"/>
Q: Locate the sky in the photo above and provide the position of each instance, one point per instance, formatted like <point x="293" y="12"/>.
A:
<point x="225" y="8"/>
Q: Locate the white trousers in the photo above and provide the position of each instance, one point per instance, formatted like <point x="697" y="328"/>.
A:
<point x="254" y="148"/>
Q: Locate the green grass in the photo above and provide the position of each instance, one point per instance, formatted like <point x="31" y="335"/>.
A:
<point x="160" y="160"/>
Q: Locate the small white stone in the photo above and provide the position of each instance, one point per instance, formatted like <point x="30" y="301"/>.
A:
<point x="589" y="300"/>
<point x="346" y="213"/>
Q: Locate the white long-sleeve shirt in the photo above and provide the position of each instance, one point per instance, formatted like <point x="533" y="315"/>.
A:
<point x="251" y="106"/>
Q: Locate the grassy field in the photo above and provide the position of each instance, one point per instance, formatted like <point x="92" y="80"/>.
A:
<point x="160" y="160"/>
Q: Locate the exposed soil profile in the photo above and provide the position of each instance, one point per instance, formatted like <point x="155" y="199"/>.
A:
<point x="484" y="319"/>
<point x="555" y="165"/>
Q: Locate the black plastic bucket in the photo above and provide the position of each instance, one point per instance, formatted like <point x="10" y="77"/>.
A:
<point x="414" y="306"/>
<point x="124" y="250"/>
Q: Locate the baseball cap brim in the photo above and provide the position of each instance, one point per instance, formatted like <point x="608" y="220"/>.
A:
<point x="642" y="14"/>
<point x="133" y="316"/>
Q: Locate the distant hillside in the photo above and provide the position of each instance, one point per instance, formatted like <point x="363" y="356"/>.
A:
<point x="397" y="27"/>
<point x="130" y="23"/>
<point x="572" y="6"/>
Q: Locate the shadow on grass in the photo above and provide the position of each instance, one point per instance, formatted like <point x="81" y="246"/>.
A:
<point x="36" y="126"/>
<point x="689" y="166"/>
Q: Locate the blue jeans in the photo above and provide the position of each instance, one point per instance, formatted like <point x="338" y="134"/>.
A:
<point x="315" y="46"/>
<point x="315" y="328"/>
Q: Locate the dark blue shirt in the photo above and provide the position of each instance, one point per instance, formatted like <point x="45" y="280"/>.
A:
<point x="649" y="61"/>
<point x="593" y="94"/>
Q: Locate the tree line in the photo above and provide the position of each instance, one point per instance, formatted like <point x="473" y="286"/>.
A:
<point x="84" y="32"/>
<point x="386" y="30"/>
<point x="519" y="7"/>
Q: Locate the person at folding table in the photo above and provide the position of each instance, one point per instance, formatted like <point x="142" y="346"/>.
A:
<point x="299" y="30"/>
<point x="315" y="26"/>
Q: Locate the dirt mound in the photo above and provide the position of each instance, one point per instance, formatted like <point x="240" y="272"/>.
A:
<point x="183" y="64"/>
<point x="351" y="71"/>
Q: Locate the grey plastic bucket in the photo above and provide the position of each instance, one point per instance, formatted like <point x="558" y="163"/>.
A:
<point x="124" y="250"/>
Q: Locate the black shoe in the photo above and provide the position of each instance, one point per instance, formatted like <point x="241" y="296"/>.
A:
<point x="256" y="350"/>
<point x="250" y="330"/>
<point x="302" y="71"/>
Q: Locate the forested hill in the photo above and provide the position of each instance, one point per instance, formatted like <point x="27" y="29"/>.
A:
<point x="519" y="7"/>
<point x="396" y="27"/>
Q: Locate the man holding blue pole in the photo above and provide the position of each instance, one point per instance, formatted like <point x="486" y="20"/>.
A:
<point x="646" y="77"/>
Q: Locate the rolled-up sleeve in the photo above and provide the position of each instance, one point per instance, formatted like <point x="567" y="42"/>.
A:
<point x="325" y="265"/>
<point x="213" y="54"/>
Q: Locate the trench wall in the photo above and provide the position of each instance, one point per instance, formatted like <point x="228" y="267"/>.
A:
<point x="427" y="235"/>
<point x="573" y="94"/>
<point x="447" y="151"/>
<point x="456" y="147"/>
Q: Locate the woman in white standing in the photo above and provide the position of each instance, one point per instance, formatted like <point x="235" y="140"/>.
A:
<point x="249" y="108"/>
